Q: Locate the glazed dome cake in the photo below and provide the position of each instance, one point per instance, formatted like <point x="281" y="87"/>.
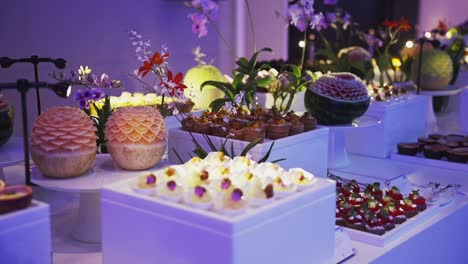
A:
<point x="63" y="142"/>
<point x="136" y="137"/>
<point x="337" y="98"/>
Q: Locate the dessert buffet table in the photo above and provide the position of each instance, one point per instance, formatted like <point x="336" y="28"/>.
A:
<point x="25" y="235"/>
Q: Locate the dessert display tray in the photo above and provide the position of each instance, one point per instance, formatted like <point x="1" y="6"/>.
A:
<point x="25" y="235"/>
<point x="144" y="229"/>
<point x="396" y="233"/>
<point x="404" y="120"/>
<point x="308" y="150"/>
<point x="421" y="160"/>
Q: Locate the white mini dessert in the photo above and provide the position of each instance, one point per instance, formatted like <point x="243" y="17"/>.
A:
<point x="146" y="184"/>
<point x="232" y="203"/>
<point x="283" y="186"/>
<point x="241" y="164"/>
<point x="199" y="197"/>
<point x="170" y="191"/>
<point x="301" y="178"/>
<point x="194" y="163"/>
<point x="215" y="158"/>
<point x="268" y="170"/>
<point x="173" y="172"/>
<point x="260" y="192"/>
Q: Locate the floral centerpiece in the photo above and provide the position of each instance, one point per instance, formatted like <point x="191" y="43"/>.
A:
<point x="162" y="81"/>
<point x="93" y="100"/>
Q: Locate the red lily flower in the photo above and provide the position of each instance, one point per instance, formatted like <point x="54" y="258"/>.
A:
<point x="157" y="59"/>
<point x="390" y="23"/>
<point x="173" y="83"/>
<point x="442" y="26"/>
<point x="404" y="25"/>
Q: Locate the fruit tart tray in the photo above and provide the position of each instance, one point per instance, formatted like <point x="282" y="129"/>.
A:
<point x="376" y="217"/>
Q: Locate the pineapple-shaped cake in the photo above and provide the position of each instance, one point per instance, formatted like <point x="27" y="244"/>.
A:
<point x="63" y="142"/>
<point x="136" y="137"/>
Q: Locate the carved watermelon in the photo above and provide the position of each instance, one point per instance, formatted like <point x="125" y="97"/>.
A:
<point x="337" y="98"/>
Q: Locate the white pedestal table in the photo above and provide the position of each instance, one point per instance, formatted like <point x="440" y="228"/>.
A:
<point x="103" y="172"/>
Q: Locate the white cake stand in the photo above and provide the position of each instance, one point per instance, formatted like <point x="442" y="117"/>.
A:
<point x="337" y="153"/>
<point x="88" y="223"/>
<point x="10" y="154"/>
<point x="450" y="90"/>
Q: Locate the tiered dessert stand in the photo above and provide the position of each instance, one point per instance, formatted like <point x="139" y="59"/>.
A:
<point x="448" y="91"/>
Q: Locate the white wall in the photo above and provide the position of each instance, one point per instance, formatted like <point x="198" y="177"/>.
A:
<point x="94" y="33"/>
<point x="431" y="11"/>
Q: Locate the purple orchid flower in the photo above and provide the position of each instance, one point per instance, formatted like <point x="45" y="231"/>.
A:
<point x="105" y="81"/>
<point x="92" y="79"/>
<point x="84" y="104"/>
<point x="318" y="22"/>
<point x="88" y="94"/>
<point x="199" y="24"/>
<point x="346" y="20"/>
<point x="297" y="17"/>
<point x="98" y="94"/>
<point x="208" y="7"/>
<point x="79" y="95"/>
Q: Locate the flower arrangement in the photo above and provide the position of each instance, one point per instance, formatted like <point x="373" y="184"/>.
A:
<point x="163" y="82"/>
<point x="93" y="100"/>
<point x="384" y="59"/>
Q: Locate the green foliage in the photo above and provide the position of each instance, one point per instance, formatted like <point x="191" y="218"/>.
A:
<point x="342" y="63"/>
<point x="245" y="80"/>
<point x="100" y="121"/>
<point x="200" y="152"/>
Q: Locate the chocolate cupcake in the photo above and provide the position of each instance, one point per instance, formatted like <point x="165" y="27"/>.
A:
<point x="450" y="144"/>
<point x="409" y="149"/>
<point x="427" y="141"/>
<point x="188" y="123"/>
<point x="436" y="136"/>
<point x="436" y="151"/>
<point x="458" y="155"/>
<point x="202" y="126"/>
<point x="423" y="141"/>
<point x="279" y="128"/>
<point x="219" y="128"/>
<point x="296" y="128"/>
<point x="310" y="123"/>
<point x="236" y="134"/>
<point x="456" y="138"/>
<point x="254" y="131"/>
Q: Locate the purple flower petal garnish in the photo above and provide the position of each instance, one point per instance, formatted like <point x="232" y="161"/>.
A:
<point x="200" y="191"/>
<point x="236" y="195"/>
<point x="150" y="179"/>
<point x="171" y="185"/>
<point x="225" y="184"/>
<point x="269" y="191"/>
